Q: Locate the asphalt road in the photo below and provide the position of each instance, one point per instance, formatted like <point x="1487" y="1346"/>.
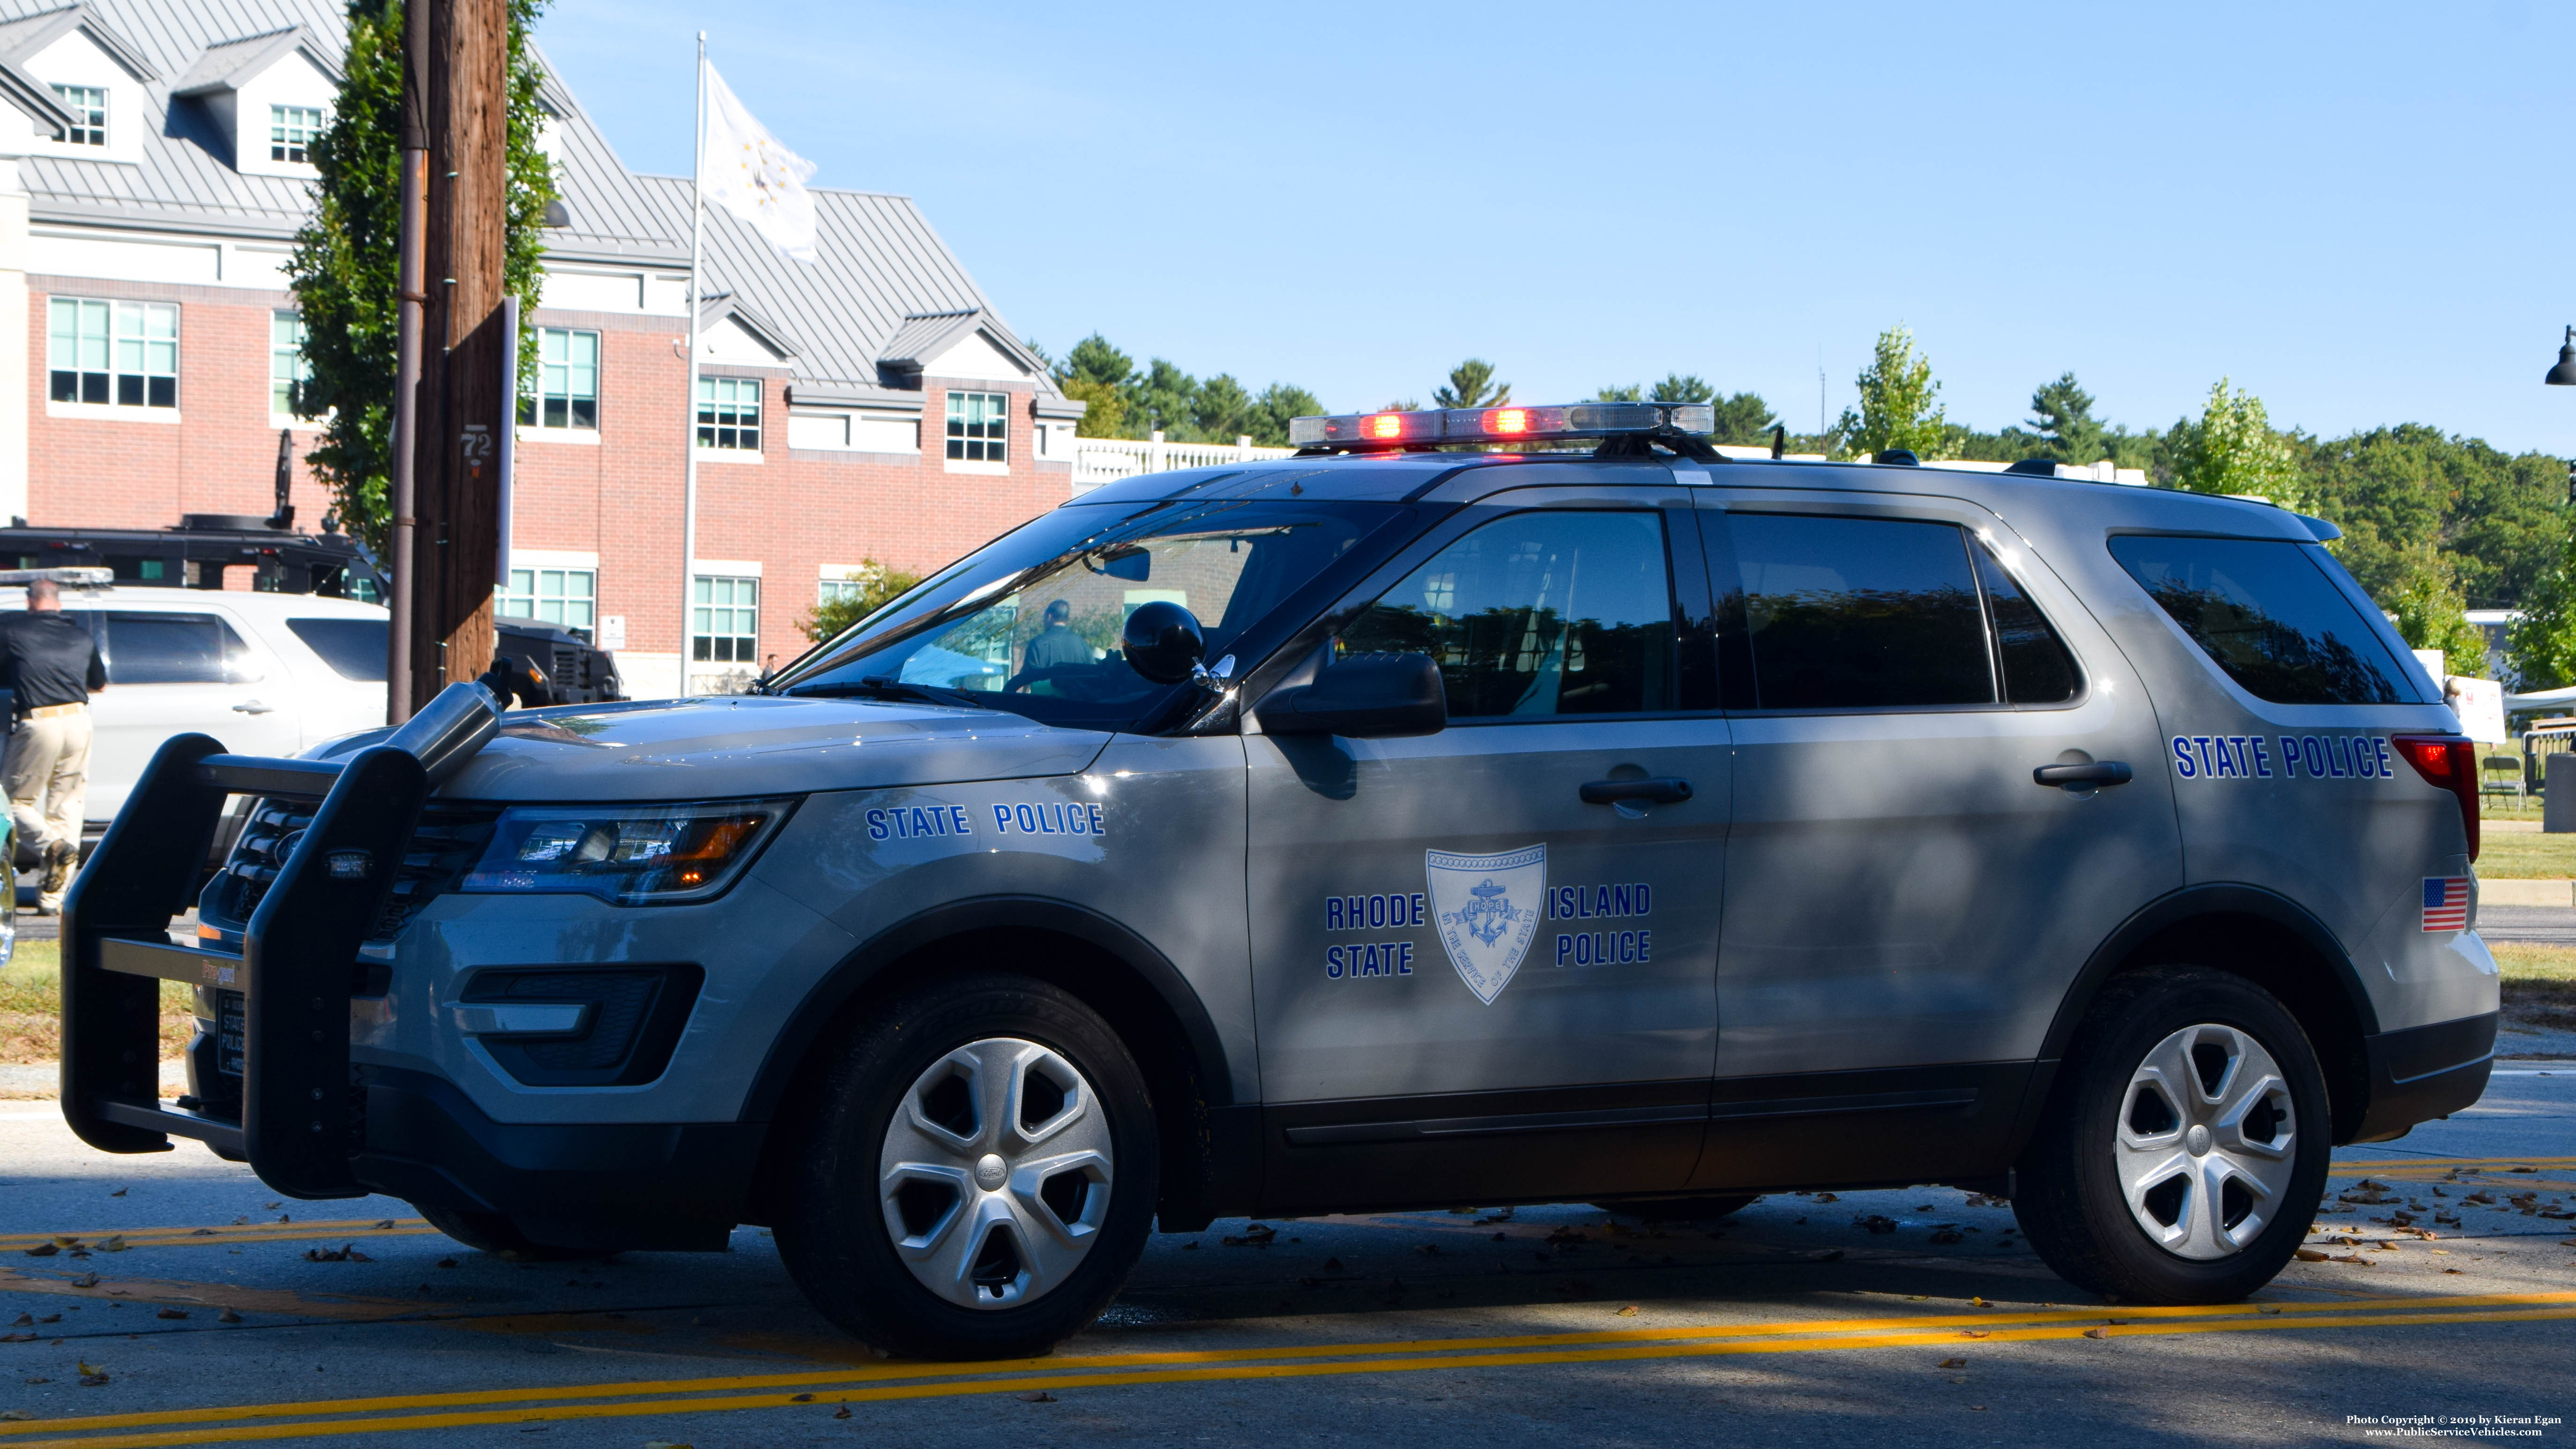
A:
<point x="1789" y="1323"/>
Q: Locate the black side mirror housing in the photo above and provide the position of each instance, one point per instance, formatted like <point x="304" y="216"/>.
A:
<point x="1362" y="697"/>
<point x="1162" y="642"/>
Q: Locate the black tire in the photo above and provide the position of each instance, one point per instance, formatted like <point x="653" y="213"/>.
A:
<point x="2069" y="1198"/>
<point x="1680" y="1209"/>
<point x="836" y="1234"/>
<point x="492" y="1233"/>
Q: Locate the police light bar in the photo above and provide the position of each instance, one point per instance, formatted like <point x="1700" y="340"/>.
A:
<point x="1362" y="431"/>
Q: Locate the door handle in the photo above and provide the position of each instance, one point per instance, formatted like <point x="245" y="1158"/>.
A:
<point x="252" y="706"/>
<point x="1662" y="790"/>
<point x="2100" y="772"/>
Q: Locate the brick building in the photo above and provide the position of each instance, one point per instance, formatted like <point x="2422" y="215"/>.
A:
<point x="153" y="173"/>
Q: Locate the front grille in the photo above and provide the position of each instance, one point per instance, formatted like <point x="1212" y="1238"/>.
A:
<point x="447" y="842"/>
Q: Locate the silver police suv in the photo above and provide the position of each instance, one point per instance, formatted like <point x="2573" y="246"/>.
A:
<point x="1516" y="805"/>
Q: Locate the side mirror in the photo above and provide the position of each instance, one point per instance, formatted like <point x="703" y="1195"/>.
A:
<point x="1163" y="643"/>
<point x="1362" y="697"/>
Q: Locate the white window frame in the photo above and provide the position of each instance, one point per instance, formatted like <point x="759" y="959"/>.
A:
<point x="139" y="343"/>
<point x="563" y="372"/>
<point x="288" y="368"/>
<point x="978" y="431"/>
<point x="88" y="105"/>
<point x="727" y="424"/>
<point x="706" y="602"/>
<point x="555" y="593"/>
<point x="292" y="130"/>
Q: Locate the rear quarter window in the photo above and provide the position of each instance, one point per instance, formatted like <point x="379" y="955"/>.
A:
<point x="2270" y="615"/>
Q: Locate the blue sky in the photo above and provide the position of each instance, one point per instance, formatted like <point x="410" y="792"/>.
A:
<point x="2357" y="211"/>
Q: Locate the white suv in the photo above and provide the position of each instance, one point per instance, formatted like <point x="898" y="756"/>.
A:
<point x="268" y="674"/>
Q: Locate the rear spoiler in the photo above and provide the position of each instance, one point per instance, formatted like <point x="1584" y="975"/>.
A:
<point x="302" y="1111"/>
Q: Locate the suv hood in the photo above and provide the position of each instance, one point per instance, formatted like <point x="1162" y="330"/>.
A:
<point x="706" y="749"/>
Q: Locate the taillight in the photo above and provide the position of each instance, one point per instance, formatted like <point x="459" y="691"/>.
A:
<point x="2448" y="763"/>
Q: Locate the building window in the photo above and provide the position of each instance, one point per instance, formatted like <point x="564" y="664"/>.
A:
<point x="567" y="381"/>
<point x="88" y="105"/>
<point x="835" y="590"/>
<point x="569" y="597"/>
<point x="291" y="130"/>
<point x="729" y="413"/>
<point x="724" y="619"/>
<point x="978" y="427"/>
<point x="288" y="368"/>
<point x="120" y="353"/>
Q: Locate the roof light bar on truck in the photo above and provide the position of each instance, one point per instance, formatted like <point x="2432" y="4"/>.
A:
<point x="1432" y="427"/>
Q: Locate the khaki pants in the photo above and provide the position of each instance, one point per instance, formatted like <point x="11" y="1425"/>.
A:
<point x="47" y="774"/>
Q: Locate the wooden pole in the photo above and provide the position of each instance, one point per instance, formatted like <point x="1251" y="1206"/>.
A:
<point x="465" y="401"/>
<point x="410" y="267"/>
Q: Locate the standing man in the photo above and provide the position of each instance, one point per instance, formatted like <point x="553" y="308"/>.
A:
<point x="1056" y="643"/>
<point x="52" y="665"/>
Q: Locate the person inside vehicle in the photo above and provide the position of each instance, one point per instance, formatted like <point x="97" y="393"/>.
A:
<point x="52" y="666"/>
<point x="1056" y="644"/>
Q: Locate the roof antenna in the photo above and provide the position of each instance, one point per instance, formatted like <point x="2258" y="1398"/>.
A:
<point x="1779" y="438"/>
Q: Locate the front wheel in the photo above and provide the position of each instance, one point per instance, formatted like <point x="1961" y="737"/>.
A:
<point x="980" y="1174"/>
<point x="2184" y="1149"/>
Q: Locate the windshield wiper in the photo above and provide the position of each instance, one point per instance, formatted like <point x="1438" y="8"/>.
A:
<point x="879" y="686"/>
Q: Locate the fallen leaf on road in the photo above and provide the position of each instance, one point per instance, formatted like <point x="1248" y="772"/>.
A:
<point x="43" y="1250"/>
<point x="1332" y="1265"/>
<point x="2265" y="1308"/>
<point x="25" y="1320"/>
<point x="1830" y="1255"/>
<point x="1628" y="1312"/>
<point x="86" y="1280"/>
<point x="387" y="1223"/>
<point x="1258" y="1235"/>
<point x="2310" y="1255"/>
<point x="16" y="1415"/>
<point x="228" y="1316"/>
<point x="447" y="1262"/>
<point x="1976" y="1333"/>
<point x="1875" y="1222"/>
<point x="270" y="1207"/>
<point x="115" y="1244"/>
<point x="1040" y="1397"/>
<point x="1954" y="1363"/>
<point x="171" y="1313"/>
<point x="800" y="1398"/>
<point x="1979" y="1303"/>
<point x="120" y="1192"/>
<point x="2097" y="1333"/>
<point x="17" y="1338"/>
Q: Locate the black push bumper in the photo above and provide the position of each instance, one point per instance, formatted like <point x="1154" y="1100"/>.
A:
<point x="303" y="1114"/>
<point x="2425" y="1072"/>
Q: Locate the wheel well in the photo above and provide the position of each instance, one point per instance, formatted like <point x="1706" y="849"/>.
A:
<point x="1146" y="1024"/>
<point x="2299" y="975"/>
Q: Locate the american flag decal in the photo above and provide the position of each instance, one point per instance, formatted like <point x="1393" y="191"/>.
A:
<point x="2446" y="903"/>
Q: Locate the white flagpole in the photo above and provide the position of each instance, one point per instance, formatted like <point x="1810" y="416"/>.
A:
<point x="689" y="500"/>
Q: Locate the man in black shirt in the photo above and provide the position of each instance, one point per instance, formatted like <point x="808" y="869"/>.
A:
<point x="52" y="666"/>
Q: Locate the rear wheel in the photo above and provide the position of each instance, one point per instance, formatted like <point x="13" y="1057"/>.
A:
<point x="980" y="1174"/>
<point x="2184" y="1150"/>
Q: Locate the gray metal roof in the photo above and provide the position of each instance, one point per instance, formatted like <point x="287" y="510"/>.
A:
<point x="883" y="288"/>
<point x="880" y="272"/>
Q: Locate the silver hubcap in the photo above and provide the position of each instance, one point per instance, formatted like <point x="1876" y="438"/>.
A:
<point x="2207" y="1142"/>
<point x="996" y="1173"/>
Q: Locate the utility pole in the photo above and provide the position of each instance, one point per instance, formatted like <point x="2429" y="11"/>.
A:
<point x="410" y="264"/>
<point x="465" y="400"/>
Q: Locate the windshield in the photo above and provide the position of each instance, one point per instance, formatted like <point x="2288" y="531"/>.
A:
<point x="1031" y="623"/>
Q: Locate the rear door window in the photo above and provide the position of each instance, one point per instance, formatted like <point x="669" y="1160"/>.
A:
<point x="1859" y="613"/>
<point x="2269" y="614"/>
<point x="354" y="648"/>
<point x="174" y="649"/>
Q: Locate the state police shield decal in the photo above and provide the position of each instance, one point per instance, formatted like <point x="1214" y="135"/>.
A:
<point x="1487" y="907"/>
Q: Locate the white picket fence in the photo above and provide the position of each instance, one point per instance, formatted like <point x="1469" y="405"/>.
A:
<point x="1106" y="460"/>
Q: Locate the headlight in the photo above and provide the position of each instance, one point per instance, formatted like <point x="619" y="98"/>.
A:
<point x="626" y="854"/>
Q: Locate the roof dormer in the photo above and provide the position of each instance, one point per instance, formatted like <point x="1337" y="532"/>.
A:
<point x="94" y="74"/>
<point x="271" y="93"/>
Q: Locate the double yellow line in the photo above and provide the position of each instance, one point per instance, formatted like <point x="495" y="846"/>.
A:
<point x="888" y="1382"/>
<point x="345" y="1229"/>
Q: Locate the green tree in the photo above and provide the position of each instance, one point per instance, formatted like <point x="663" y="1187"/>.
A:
<point x="343" y="267"/>
<point x="1471" y="385"/>
<point x="2431" y="614"/>
<point x="1631" y="392"/>
<point x="2500" y="519"/>
<point x="2232" y="449"/>
<point x="2061" y="412"/>
<point x="1744" y="419"/>
<point x="878" y="587"/>
<point x="1271" y="412"/>
<point x="1220" y="411"/>
<point x="1900" y="404"/>
<point x="1681" y="388"/>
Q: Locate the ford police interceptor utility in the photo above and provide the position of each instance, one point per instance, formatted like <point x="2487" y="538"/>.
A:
<point x="1397" y="825"/>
